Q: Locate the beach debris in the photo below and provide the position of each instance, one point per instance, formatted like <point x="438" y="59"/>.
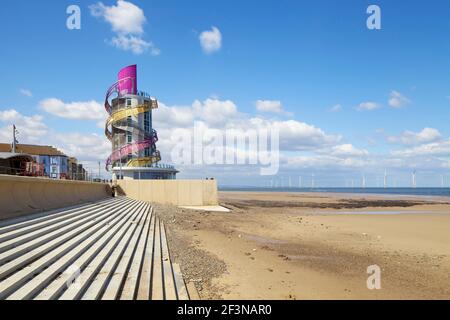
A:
<point x="365" y="234"/>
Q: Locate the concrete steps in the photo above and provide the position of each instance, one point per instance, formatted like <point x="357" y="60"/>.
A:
<point x="111" y="249"/>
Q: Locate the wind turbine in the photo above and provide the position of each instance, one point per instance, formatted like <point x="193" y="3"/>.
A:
<point x="312" y="181"/>
<point x="385" y="179"/>
<point x="363" y="183"/>
<point x="414" y="183"/>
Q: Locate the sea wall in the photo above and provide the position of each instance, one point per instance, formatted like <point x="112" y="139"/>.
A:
<point x="174" y="192"/>
<point x="24" y="195"/>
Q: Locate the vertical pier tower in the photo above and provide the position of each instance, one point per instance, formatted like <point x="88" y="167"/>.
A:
<point x="130" y="130"/>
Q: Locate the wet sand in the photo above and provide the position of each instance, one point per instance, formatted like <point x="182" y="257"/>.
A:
<point x="314" y="246"/>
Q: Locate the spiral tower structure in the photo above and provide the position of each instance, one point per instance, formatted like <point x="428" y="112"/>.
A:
<point x="129" y="127"/>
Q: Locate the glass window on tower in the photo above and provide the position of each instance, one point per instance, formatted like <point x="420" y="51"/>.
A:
<point x="128" y="102"/>
<point x="147" y="121"/>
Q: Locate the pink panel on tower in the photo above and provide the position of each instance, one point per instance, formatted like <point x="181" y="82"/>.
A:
<point x="128" y="80"/>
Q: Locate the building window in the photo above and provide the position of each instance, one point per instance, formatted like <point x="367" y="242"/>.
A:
<point x="128" y="102"/>
<point x="147" y="122"/>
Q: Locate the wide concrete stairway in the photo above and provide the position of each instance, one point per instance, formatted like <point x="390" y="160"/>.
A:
<point x="110" y="249"/>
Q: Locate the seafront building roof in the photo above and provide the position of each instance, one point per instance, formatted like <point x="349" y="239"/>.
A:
<point x="32" y="149"/>
<point x="12" y="155"/>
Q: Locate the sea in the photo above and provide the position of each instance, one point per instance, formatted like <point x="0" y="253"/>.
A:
<point x="439" y="192"/>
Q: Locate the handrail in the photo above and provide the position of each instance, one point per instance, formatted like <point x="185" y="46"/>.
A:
<point x="113" y="89"/>
<point x="122" y="114"/>
<point x="130" y="148"/>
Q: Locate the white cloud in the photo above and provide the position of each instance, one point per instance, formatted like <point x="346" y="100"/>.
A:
<point x="214" y="112"/>
<point x="397" y="100"/>
<point x="336" y="108"/>
<point x="269" y="106"/>
<point x="211" y="40"/>
<point x="413" y="138"/>
<point x="85" y="147"/>
<point x="221" y="114"/>
<point x="134" y="44"/>
<point x="348" y="150"/>
<point x="87" y="110"/>
<point x="368" y="106"/>
<point x="296" y="135"/>
<point x="127" y="21"/>
<point x="338" y="156"/>
<point x="326" y="162"/>
<point x="26" y="92"/>
<point x="125" y="17"/>
<point x="31" y="128"/>
<point x="439" y="148"/>
<point x="166" y="116"/>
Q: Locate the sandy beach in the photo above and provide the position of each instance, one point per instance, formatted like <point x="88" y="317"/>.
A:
<point x="314" y="246"/>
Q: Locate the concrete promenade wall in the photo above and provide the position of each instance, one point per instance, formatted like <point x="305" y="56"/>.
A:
<point x="174" y="192"/>
<point x="23" y="195"/>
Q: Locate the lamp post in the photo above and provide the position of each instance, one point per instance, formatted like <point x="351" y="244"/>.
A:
<point x="15" y="142"/>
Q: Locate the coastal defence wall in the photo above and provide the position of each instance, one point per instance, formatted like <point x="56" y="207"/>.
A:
<point x="20" y="196"/>
<point x="174" y="192"/>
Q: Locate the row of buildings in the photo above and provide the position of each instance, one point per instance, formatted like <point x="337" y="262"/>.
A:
<point x="39" y="161"/>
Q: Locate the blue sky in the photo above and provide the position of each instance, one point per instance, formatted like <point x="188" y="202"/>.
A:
<point x="309" y="56"/>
